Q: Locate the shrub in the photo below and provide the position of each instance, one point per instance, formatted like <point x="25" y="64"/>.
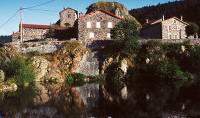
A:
<point x="23" y="71"/>
<point x="167" y="68"/>
<point x="152" y="51"/>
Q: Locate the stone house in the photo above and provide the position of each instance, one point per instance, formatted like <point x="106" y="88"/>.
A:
<point x="68" y="16"/>
<point x="172" y="28"/>
<point x="96" y="25"/>
<point x="34" y="32"/>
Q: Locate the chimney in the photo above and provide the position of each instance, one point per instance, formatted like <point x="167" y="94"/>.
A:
<point x="181" y="18"/>
<point x="147" y="21"/>
<point x="163" y="17"/>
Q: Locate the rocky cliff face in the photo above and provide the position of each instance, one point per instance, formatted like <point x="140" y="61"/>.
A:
<point x="89" y="64"/>
<point x="58" y="64"/>
<point x="124" y="63"/>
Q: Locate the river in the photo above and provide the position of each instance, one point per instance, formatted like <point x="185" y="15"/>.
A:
<point x="41" y="100"/>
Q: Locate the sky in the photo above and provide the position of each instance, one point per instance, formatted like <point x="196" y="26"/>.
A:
<point x="8" y="8"/>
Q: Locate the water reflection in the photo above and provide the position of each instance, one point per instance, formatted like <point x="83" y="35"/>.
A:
<point x="14" y="102"/>
<point x="42" y="100"/>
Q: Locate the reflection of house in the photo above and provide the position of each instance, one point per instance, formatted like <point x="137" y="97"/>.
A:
<point x="172" y="28"/>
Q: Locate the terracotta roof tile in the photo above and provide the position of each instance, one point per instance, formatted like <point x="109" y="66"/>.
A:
<point x="35" y="26"/>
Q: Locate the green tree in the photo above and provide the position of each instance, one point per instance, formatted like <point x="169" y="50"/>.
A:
<point x="128" y="32"/>
<point x="127" y="29"/>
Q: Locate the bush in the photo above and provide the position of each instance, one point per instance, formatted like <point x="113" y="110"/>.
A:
<point x="167" y="69"/>
<point x="76" y="79"/>
<point x="23" y="71"/>
<point x="152" y="51"/>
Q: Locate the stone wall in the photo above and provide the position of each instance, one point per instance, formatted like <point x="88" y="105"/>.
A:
<point x="172" y="28"/>
<point x="69" y="16"/>
<point x="99" y="33"/>
<point x="42" y="47"/>
<point x="192" y="41"/>
<point x="34" y="34"/>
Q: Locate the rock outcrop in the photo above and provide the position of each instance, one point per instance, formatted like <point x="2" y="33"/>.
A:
<point x="7" y="87"/>
<point x="41" y="67"/>
<point x="89" y="64"/>
<point x="124" y="63"/>
<point x="60" y="63"/>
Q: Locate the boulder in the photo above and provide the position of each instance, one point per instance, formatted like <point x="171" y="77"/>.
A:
<point x="124" y="66"/>
<point x="6" y="87"/>
<point x="124" y="93"/>
<point x="124" y="63"/>
<point x="2" y="76"/>
<point x="41" y="67"/>
<point x="54" y="74"/>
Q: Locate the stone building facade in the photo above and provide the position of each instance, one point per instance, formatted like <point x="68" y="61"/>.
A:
<point x="68" y="16"/>
<point x="31" y="32"/>
<point x="172" y="28"/>
<point x="96" y="26"/>
<point x="34" y="32"/>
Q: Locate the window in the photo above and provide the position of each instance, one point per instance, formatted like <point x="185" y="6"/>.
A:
<point x="98" y="24"/>
<point x="89" y="25"/>
<point x="170" y="36"/>
<point x="175" y="36"/>
<point x="169" y="28"/>
<point x="110" y="25"/>
<point x="91" y="35"/>
<point x="108" y="35"/>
